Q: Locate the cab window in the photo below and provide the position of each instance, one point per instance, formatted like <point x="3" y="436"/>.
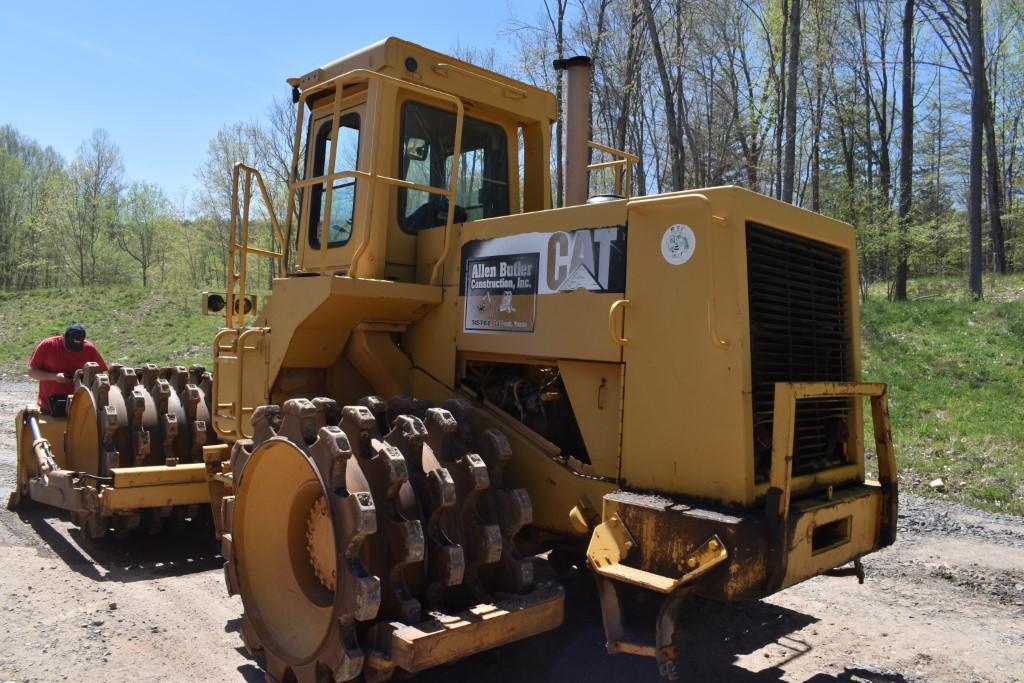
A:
<point x="426" y="156"/>
<point x="343" y="198"/>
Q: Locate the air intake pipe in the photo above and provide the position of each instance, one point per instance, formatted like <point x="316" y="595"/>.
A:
<point x="577" y="119"/>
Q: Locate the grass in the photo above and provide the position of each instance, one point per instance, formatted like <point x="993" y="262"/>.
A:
<point x="129" y="325"/>
<point x="955" y="368"/>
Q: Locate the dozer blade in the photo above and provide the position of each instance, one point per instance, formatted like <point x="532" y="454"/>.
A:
<point x="155" y="487"/>
<point x="342" y="537"/>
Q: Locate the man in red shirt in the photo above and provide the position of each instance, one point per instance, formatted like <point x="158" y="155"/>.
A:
<point x="55" y="361"/>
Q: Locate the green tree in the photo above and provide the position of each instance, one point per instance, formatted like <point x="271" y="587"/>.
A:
<point x="95" y="178"/>
<point x="143" y="225"/>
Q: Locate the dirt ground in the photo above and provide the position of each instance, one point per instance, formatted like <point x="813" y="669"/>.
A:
<point x="945" y="603"/>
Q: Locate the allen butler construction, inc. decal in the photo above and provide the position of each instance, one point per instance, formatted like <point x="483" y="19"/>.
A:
<point x="501" y="293"/>
<point x="502" y="277"/>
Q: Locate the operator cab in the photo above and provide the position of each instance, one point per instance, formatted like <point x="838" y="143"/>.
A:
<point x="404" y="119"/>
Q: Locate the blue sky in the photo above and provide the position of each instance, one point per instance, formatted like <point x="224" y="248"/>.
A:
<point x="162" y="77"/>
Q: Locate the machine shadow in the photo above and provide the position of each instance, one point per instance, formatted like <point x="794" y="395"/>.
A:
<point x="128" y="556"/>
<point x="715" y="635"/>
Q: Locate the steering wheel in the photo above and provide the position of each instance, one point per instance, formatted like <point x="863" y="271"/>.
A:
<point x="433" y="213"/>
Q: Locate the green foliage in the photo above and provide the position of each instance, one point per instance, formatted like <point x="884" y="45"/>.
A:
<point x="83" y="223"/>
<point x="129" y="325"/>
<point x="955" y="369"/>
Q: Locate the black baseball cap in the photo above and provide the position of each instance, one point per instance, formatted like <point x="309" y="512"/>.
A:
<point x="74" y="337"/>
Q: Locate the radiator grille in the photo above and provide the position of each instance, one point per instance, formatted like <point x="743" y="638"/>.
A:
<point x="798" y="333"/>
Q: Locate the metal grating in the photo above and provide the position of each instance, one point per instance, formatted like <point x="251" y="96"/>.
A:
<point x="799" y="332"/>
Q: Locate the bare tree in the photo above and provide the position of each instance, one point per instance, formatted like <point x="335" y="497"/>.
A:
<point x="143" y="223"/>
<point x="669" y="94"/>
<point x="906" y="152"/>
<point x="747" y="94"/>
<point x="232" y="143"/>
<point x="95" y="177"/>
<point x="952" y="21"/>
<point x="978" y="110"/>
<point x="556" y="17"/>
<point x="791" y="81"/>
<point x="780" y="97"/>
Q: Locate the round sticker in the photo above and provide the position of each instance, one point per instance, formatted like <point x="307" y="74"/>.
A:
<point x="678" y="244"/>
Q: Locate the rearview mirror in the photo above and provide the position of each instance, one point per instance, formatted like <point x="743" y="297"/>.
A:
<point x="416" y="149"/>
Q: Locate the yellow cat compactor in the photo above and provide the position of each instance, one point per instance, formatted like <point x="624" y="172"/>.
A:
<point x="450" y="378"/>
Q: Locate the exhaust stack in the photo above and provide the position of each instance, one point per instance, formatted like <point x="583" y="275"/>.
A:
<point x="577" y="119"/>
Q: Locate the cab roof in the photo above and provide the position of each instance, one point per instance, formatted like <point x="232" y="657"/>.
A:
<point x="394" y="57"/>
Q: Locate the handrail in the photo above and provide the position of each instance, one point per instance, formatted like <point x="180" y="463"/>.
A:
<point x="509" y="91"/>
<point x="371" y="176"/>
<point x="626" y="161"/>
<point x="238" y="244"/>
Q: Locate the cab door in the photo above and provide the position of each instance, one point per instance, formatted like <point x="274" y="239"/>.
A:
<point x="343" y="225"/>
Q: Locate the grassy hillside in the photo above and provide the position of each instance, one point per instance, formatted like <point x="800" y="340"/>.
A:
<point x="955" y="368"/>
<point x="129" y="325"/>
<point x="956" y="374"/>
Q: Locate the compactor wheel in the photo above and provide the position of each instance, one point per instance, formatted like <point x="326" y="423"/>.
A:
<point x="193" y="389"/>
<point x="303" y="586"/>
<point x="348" y="521"/>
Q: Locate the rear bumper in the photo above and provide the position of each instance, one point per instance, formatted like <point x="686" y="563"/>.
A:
<point x="827" y="534"/>
<point x="762" y="558"/>
<point x="672" y="547"/>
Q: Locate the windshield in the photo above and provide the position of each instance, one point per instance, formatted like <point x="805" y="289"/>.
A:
<point x="427" y="150"/>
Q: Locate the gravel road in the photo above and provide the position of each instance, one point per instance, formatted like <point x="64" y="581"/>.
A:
<point x="945" y="603"/>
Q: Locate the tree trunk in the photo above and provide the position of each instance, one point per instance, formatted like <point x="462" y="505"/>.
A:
<point x="631" y="86"/>
<point x="906" y="152"/>
<point x="974" y="23"/>
<point x="675" y="144"/>
<point x="791" y="79"/>
<point x="995" y="188"/>
<point x="780" y="114"/>
<point x="819" y="105"/>
<point x="596" y="56"/>
<point x="559" y="54"/>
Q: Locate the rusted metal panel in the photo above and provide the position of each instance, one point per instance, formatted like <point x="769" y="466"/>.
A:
<point x="60" y="491"/>
<point x="667" y="532"/>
